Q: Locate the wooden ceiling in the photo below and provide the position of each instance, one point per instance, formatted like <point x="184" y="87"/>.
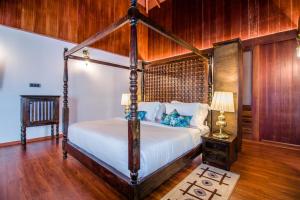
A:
<point x="149" y="4"/>
<point x="205" y="22"/>
<point x="200" y="22"/>
<point x="74" y="21"/>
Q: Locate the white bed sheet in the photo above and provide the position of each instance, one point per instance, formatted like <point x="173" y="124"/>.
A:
<point x="107" y="140"/>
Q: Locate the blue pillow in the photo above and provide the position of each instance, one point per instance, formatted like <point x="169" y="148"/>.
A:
<point x="175" y="119"/>
<point x="181" y="121"/>
<point x="140" y="115"/>
<point x="166" y="119"/>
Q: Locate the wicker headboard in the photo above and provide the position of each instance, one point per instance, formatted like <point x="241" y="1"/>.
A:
<point x="185" y="80"/>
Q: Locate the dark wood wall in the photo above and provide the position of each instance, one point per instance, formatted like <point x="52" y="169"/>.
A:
<point x="73" y="20"/>
<point x="204" y="22"/>
<point x="276" y="93"/>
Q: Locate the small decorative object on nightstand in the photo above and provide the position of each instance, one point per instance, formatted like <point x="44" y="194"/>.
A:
<point x="125" y="101"/>
<point x="223" y="102"/>
<point x="219" y="152"/>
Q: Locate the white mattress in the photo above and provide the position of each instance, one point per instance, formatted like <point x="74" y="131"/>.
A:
<point x="160" y="144"/>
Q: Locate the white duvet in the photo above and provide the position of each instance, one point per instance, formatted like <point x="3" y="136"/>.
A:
<point x="107" y="140"/>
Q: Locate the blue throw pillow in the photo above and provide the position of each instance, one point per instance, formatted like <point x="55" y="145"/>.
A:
<point x="166" y="119"/>
<point x="181" y="121"/>
<point x="140" y="115"/>
<point x="175" y="119"/>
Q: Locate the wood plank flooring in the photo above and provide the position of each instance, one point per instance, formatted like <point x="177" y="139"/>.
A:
<point x="266" y="173"/>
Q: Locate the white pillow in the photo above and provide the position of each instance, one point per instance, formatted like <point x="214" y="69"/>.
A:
<point x="151" y="108"/>
<point x="161" y="111"/>
<point x="199" y="111"/>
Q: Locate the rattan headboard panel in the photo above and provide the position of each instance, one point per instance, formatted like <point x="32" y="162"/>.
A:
<point x="183" y="80"/>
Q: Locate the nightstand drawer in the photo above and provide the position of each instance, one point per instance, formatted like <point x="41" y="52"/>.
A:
<point x="216" y="146"/>
<point x="213" y="156"/>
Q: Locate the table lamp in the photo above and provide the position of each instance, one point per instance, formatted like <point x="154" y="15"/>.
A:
<point x="125" y="101"/>
<point x="223" y="102"/>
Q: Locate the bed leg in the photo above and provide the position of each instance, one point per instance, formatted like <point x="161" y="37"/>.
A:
<point x="57" y="132"/>
<point x="52" y="131"/>
<point x="23" y="136"/>
<point x="65" y="155"/>
<point x="65" y="132"/>
<point x="134" y="192"/>
<point x="65" y="116"/>
<point x="64" y="147"/>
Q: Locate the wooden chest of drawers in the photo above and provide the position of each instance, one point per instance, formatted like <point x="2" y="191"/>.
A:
<point x="219" y="152"/>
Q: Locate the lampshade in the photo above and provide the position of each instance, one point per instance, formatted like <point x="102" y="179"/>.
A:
<point x="223" y="101"/>
<point x="125" y="101"/>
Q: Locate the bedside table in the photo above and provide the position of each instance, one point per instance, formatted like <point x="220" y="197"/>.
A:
<point x="219" y="152"/>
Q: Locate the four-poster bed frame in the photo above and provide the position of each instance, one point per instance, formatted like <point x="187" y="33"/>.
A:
<point x="133" y="187"/>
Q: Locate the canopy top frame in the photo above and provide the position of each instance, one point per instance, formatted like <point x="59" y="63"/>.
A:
<point x="133" y="12"/>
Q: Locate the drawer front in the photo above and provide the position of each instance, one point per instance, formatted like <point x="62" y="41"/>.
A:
<point x="212" y="156"/>
<point x="216" y="146"/>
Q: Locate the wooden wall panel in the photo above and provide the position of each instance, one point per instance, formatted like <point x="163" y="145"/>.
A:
<point x="204" y="22"/>
<point x="276" y="93"/>
<point x="73" y="20"/>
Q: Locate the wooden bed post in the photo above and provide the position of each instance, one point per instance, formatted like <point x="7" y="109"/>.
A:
<point x="133" y="122"/>
<point x="210" y="79"/>
<point x="210" y="89"/>
<point x="143" y="81"/>
<point x="65" y="117"/>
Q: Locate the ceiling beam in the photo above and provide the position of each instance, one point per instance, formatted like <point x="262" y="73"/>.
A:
<point x="147" y="6"/>
<point x="157" y="3"/>
<point x="101" y="34"/>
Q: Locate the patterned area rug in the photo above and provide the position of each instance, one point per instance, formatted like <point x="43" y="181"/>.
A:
<point x="204" y="183"/>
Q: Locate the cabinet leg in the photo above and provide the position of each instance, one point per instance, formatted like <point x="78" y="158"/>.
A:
<point x="57" y="131"/>
<point x="65" y="153"/>
<point x="23" y="135"/>
<point x="227" y="167"/>
<point x="52" y="131"/>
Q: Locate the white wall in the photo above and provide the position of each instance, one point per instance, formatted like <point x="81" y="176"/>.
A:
<point x="95" y="91"/>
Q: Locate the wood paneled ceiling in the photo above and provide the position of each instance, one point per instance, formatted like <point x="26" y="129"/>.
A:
<point x="200" y="22"/>
<point x="205" y="22"/>
<point x="73" y="21"/>
<point x="149" y="4"/>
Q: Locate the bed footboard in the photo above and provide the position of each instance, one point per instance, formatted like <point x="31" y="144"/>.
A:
<point x="122" y="183"/>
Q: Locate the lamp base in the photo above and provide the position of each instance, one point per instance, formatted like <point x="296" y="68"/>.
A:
<point x="220" y="135"/>
<point x="221" y="123"/>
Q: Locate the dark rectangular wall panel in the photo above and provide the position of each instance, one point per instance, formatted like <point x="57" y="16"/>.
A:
<point x="227" y="70"/>
<point x="276" y="94"/>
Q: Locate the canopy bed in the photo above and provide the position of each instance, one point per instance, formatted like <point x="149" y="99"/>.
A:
<point x="101" y="145"/>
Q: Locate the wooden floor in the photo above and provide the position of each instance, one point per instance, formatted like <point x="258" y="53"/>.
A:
<point x="40" y="173"/>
